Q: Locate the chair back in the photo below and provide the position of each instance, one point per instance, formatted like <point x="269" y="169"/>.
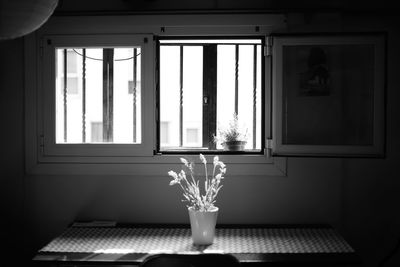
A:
<point x="190" y="260"/>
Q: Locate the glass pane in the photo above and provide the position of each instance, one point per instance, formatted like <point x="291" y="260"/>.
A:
<point x="258" y="113"/>
<point x="93" y="103"/>
<point x="170" y="94"/>
<point x="328" y="94"/>
<point x="127" y="105"/>
<point x="249" y="98"/>
<point x="94" y="96"/>
<point x="192" y="95"/>
<point x="225" y="87"/>
<point x="212" y="62"/>
<point x="192" y="89"/>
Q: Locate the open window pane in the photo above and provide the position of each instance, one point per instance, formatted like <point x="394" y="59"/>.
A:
<point x="329" y="95"/>
<point x="204" y="84"/>
<point x="98" y="95"/>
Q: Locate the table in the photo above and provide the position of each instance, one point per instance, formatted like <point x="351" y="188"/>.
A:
<point x="127" y="244"/>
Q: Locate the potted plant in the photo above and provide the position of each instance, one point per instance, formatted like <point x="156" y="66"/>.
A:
<point x="202" y="211"/>
<point x="233" y="137"/>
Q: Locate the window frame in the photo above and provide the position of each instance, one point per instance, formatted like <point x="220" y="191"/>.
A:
<point x="376" y="149"/>
<point x="264" y="91"/>
<point x="48" y="142"/>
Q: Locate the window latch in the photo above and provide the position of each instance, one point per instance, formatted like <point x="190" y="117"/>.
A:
<point x="205" y="100"/>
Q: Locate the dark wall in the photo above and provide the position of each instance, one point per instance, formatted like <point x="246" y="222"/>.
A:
<point x="12" y="148"/>
<point x="371" y="186"/>
<point x="359" y="196"/>
<point x="215" y="5"/>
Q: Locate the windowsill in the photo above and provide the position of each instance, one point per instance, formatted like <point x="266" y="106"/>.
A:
<point x="206" y="151"/>
<point x="157" y="165"/>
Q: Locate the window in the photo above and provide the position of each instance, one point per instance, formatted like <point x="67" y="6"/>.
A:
<point x="97" y="92"/>
<point x="205" y="82"/>
<point x="329" y="95"/>
<point x="79" y="118"/>
<point x="93" y="93"/>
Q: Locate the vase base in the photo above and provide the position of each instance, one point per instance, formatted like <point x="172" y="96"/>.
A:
<point x="202" y="224"/>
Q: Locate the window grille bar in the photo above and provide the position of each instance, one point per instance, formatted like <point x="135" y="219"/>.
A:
<point x="254" y="96"/>
<point x="134" y="92"/>
<point x="181" y="97"/>
<point x="209" y="95"/>
<point x="237" y="79"/>
<point x="108" y="80"/>
<point x="84" y="95"/>
<point x="65" y="96"/>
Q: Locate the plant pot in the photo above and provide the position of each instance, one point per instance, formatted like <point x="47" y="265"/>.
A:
<point x="202" y="224"/>
<point x="234" y="145"/>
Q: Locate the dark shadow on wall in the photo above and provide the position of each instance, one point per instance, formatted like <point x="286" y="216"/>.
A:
<point x="12" y="149"/>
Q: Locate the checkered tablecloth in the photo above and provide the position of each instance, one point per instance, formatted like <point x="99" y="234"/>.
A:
<point x="227" y="240"/>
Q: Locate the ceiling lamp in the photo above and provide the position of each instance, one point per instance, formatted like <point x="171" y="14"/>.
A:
<point x="20" y="17"/>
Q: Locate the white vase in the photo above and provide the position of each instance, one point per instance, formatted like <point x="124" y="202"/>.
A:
<point x="202" y="224"/>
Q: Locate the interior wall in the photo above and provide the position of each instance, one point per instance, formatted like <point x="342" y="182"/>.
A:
<point x="12" y="148"/>
<point x="310" y="194"/>
<point x="215" y="5"/>
<point x="358" y="196"/>
<point x="371" y="186"/>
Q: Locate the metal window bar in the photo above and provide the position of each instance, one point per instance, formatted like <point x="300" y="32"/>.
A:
<point x="254" y="96"/>
<point x="65" y="96"/>
<point x="134" y="93"/>
<point x="181" y="96"/>
<point x="84" y="95"/>
<point x="209" y="95"/>
<point x="108" y="80"/>
<point x="237" y="79"/>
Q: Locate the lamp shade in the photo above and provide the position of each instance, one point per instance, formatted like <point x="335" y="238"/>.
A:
<point x="21" y="17"/>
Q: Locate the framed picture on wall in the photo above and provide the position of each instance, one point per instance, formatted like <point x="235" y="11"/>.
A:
<point x="314" y="78"/>
<point x="328" y="95"/>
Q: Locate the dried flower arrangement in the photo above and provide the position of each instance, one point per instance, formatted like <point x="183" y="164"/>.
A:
<point x="191" y="189"/>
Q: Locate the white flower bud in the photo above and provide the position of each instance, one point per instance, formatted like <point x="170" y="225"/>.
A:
<point x="173" y="174"/>
<point x="203" y="159"/>
<point x="182" y="175"/>
<point x="184" y="161"/>
<point x="173" y="182"/>
<point x="216" y="160"/>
